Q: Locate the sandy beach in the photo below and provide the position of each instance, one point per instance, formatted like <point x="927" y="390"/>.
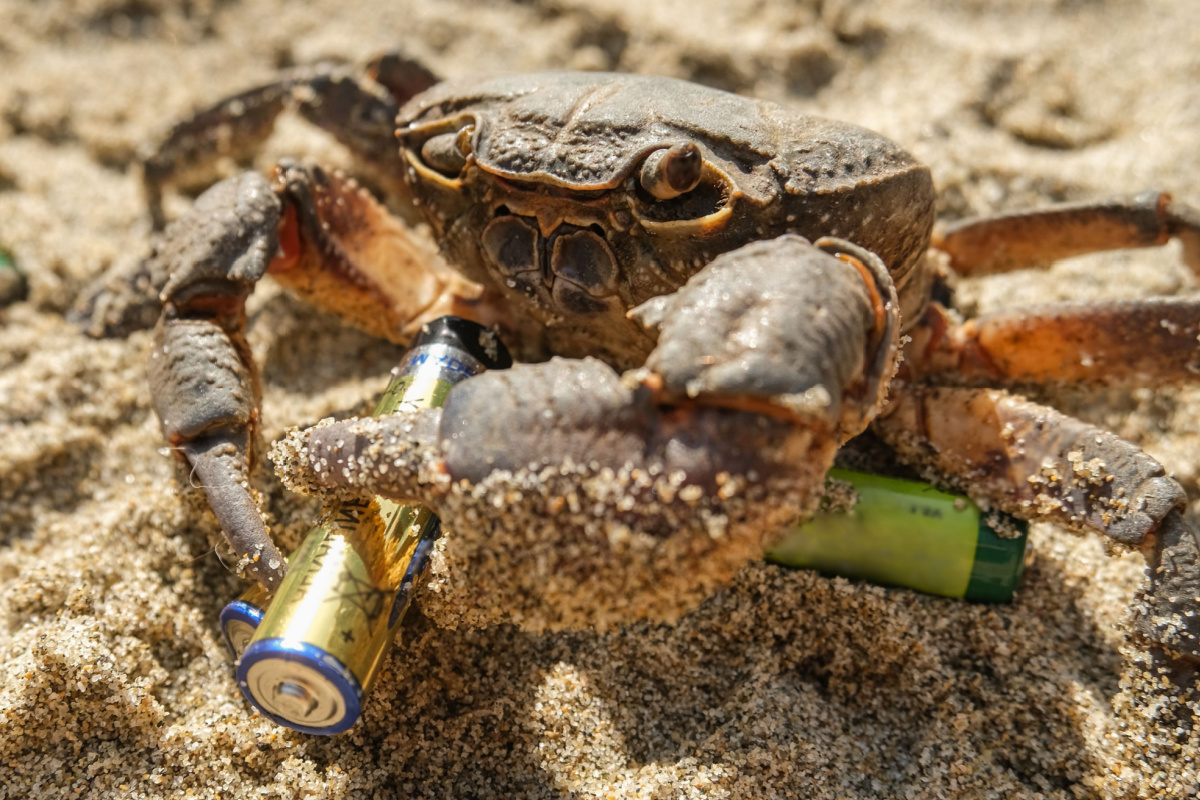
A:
<point x="114" y="679"/>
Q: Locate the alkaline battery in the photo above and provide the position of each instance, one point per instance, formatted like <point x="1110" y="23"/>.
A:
<point x="241" y="617"/>
<point x="904" y="533"/>
<point x="322" y="640"/>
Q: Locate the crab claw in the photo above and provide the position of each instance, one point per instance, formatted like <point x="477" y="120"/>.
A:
<point x="575" y="497"/>
<point x="783" y="327"/>
<point x="205" y="406"/>
<point x="569" y="498"/>
<point x="220" y="462"/>
<point x="201" y="373"/>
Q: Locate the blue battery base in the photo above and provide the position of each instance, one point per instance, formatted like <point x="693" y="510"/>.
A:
<point x="300" y="686"/>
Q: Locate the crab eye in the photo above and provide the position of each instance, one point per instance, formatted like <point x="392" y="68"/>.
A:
<point x="670" y="173"/>
<point x="447" y="152"/>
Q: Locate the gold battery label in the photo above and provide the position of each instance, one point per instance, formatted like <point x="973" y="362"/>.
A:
<point x="343" y="581"/>
<point x="256" y="595"/>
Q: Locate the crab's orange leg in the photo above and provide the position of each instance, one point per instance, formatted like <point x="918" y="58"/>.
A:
<point x="1147" y="342"/>
<point x="344" y="253"/>
<point x="1039" y="464"/>
<point x="1020" y="240"/>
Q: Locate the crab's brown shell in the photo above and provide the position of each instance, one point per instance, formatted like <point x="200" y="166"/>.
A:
<point x="568" y="133"/>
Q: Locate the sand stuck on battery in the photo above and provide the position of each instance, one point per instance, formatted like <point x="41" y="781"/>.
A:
<point x="114" y="680"/>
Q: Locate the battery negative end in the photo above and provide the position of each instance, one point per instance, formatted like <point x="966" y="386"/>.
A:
<point x="300" y="686"/>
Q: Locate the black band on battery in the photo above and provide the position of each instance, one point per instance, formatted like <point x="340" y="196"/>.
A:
<point x="478" y="341"/>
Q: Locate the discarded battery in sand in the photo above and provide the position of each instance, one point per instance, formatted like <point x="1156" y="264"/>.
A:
<point x="321" y="641"/>
<point x="905" y="533"/>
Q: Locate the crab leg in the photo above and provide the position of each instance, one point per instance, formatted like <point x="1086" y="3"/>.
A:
<point x="1039" y="464"/>
<point x="1007" y="242"/>
<point x="576" y="497"/>
<point x="1148" y="342"/>
<point x="360" y="113"/>
<point x="201" y="377"/>
<point x="233" y="128"/>
<point x="344" y="253"/>
<point x="323" y="237"/>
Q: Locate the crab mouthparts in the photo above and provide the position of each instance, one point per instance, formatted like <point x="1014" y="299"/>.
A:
<point x="571" y="268"/>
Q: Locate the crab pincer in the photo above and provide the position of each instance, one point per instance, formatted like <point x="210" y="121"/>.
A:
<point x="307" y="228"/>
<point x="573" y="496"/>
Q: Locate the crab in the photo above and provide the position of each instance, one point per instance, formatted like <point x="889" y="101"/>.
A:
<point x="709" y="296"/>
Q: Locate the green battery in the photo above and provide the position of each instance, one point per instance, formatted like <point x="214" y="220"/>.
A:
<point x="321" y="642"/>
<point x="905" y="533"/>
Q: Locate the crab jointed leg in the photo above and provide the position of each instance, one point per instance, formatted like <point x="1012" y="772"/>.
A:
<point x="359" y="110"/>
<point x="204" y="389"/>
<point x="1037" y="463"/>
<point x="1033" y="461"/>
<point x="323" y="237"/>
<point x="572" y="496"/>
<point x="1007" y="242"/>
<point x="1147" y="342"/>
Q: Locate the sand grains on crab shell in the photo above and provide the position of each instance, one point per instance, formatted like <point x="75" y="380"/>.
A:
<point x="563" y="545"/>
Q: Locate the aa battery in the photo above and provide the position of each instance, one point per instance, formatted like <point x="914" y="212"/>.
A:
<point x="241" y="617"/>
<point x="322" y="640"/>
<point x="904" y="533"/>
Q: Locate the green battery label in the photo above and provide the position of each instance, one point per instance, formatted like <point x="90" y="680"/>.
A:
<point x="904" y="533"/>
